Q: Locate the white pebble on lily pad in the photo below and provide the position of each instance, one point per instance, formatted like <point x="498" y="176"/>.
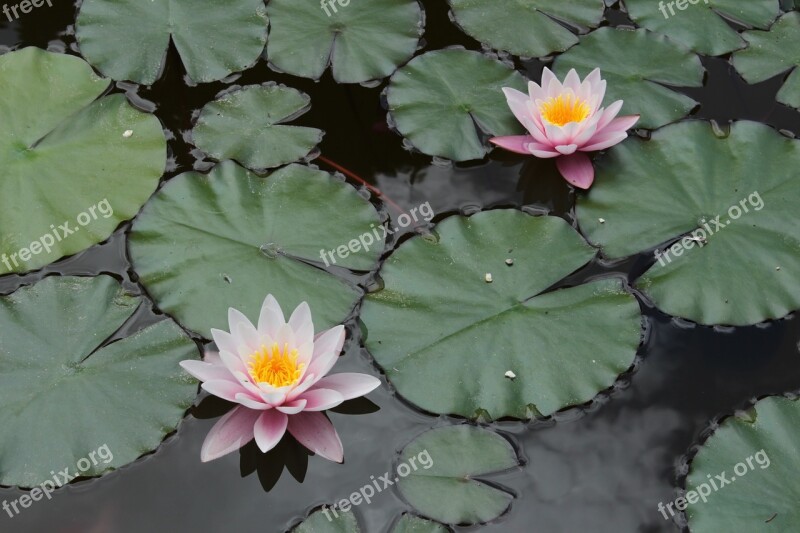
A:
<point x="510" y="375"/>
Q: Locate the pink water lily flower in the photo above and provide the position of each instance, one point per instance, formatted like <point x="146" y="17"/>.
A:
<point x="565" y="121"/>
<point x="277" y="374"/>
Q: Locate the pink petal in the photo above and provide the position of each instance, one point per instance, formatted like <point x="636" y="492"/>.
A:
<point x="227" y="390"/>
<point x="206" y="371"/>
<point x="271" y="317"/>
<point x="535" y="92"/>
<point x="513" y="143"/>
<point x="349" y="384"/>
<point x="545" y="154"/>
<point x="620" y="124"/>
<point x="577" y="169"/>
<point x="292" y="408"/>
<point x="212" y="358"/>
<point x="321" y="399"/>
<point x="608" y="114"/>
<point x="517" y="102"/>
<point x="302" y="325"/>
<point x="604" y="140"/>
<point x="233" y="431"/>
<point x="316" y="433"/>
<point x="550" y="84"/>
<point x="269" y="429"/>
<point x="572" y="81"/>
<point x="308" y="381"/>
<point x="224" y="341"/>
<point x="327" y="347"/>
<point x="233" y="363"/>
<point x="249" y="402"/>
<point x="567" y="149"/>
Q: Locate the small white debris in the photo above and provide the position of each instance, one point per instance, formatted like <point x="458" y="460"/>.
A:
<point x="509" y="261"/>
<point x="777" y="268"/>
<point x="127" y="133"/>
<point x="488" y="277"/>
<point x="510" y="375"/>
<point x="602" y="220"/>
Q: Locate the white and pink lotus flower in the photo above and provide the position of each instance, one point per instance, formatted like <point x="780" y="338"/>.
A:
<point x="565" y="121"/>
<point x="277" y="374"/>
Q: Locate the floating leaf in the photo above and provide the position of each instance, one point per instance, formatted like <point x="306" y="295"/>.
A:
<point x="128" y="40"/>
<point x="756" y="456"/>
<point x="414" y="524"/>
<point x="699" y="24"/>
<point x="65" y="391"/>
<point x="70" y="173"/>
<point x="530" y="28"/>
<point x="447" y="490"/>
<point x="443" y="101"/>
<point x="361" y="42"/>
<point x="772" y="52"/>
<point x="205" y="243"/>
<point x="625" y="58"/>
<point x="446" y="338"/>
<point x="339" y="522"/>
<point x="690" y="178"/>
<point x="246" y="125"/>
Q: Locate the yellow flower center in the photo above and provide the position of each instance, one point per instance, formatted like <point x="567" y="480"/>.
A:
<point x="277" y="367"/>
<point x="564" y="109"/>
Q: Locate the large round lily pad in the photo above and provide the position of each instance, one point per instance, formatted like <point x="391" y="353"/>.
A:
<point x="361" y="41"/>
<point x="771" y="52"/>
<point x="74" y="164"/>
<point x="414" y="524"/>
<point x="625" y="58"/>
<point x="446" y="338"/>
<point x="320" y="522"/>
<point x="531" y="28"/>
<point x="741" y="190"/>
<point x="205" y="243"/>
<point x="128" y="39"/>
<point x="747" y="473"/>
<point x="65" y="391"/>
<point x="700" y="24"/>
<point x="445" y="487"/>
<point x="447" y="102"/>
<point x="246" y="125"/>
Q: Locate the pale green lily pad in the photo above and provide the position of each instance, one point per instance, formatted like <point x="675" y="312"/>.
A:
<point x="530" y="28"/>
<point x="625" y="59"/>
<point x="701" y="24"/>
<point x="318" y="522"/>
<point x="447" y="490"/>
<point x="757" y="456"/>
<point x="71" y="173"/>
<point x="128" y="39"/>
<point x="65" y="391"/>
<point x="447" y="102"/>
<point x="414" y="524"/>
<point x="247" y="125"/>
<point x="650" y="193"/>
<point x="771" y="52"/>
<point x="205" y="243"/>
<point x="361" y="41"/>
<point x="446" y="338"/>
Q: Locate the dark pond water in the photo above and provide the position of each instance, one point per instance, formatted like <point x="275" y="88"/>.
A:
<point x="602" y="467"/>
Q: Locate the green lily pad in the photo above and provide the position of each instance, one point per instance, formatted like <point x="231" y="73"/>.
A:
<point x="205" y="243"/>
<point x="447" y="490"/>
<point x="65" y="391"/>
<point x="414" y="524"/>
<point x="771" y="52"/>
<point x="446" y="102"/>
<point x="446" y="338"/>
<point x="625" y="58"/>
<point x="318" y="522"/>
<point x="651" y="193"/>
<point x="362" y="41"/>
<point x="128" y="40"/>
<point x="752" y="461"/>
<point x="530" y="28"/>
<point x="71" y="173"/>
<point x="246" y="125"/>
<point x="700" y="24"/>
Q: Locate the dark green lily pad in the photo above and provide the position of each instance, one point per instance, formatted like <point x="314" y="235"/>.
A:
<point x="530" y="28"/>
<point x="752" y="461"/>
<point x="625" y="58"/>
<point x="446" y="338"/>
<point x="447" y="490"/>
<point x="318" y="522"/>
<point x="205" y="243"/>
<point x="75" y="165"/>
<point x="448" y="101"/>
<point x="361" y="41"/>
<point x="650" y="193"/>
<point x="65" y="391"/>
<point x="771" y="52"/>
<point x="247" y="125"/>
<point x="700" y="24"/>
<point x="128" y="39"/>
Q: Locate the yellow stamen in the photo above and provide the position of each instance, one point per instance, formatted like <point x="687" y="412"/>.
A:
<point x="564" y="109"/>
<point x="277" y="367"/>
